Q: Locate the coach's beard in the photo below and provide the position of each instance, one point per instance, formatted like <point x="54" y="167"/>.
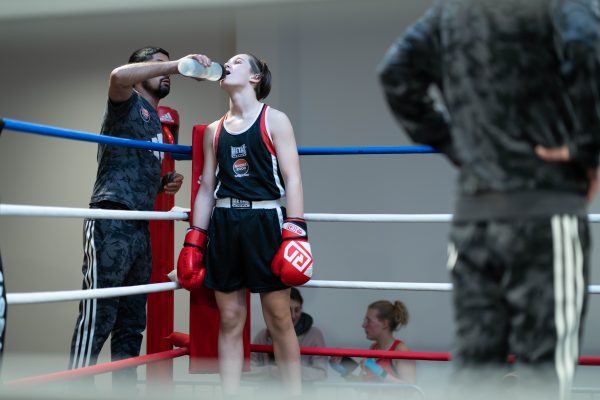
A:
<point x="159" y="92"/>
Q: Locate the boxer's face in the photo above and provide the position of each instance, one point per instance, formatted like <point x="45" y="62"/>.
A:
<point x="159" y="86"/>
<point x="296" y="310"/>
<point x="372" y="325"/>
<point x="239" y="70"/>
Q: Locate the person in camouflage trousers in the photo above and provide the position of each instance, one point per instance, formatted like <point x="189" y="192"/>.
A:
<point x="3" y="305"/>
<point x="117" y="252"/>
<point x="519" y="115"/>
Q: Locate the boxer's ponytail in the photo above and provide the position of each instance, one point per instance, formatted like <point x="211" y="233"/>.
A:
<point x="396" y="314"/>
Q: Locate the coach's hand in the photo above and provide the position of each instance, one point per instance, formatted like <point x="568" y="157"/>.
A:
<point x="172" y="182"/>
<point x="562" y="154"/>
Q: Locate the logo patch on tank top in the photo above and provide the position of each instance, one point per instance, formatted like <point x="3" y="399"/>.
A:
<point x="145" y="114"/>
<point x="241" y="168"/>
<point x="237" y="152"/>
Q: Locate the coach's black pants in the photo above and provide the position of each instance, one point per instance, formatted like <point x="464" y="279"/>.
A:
<point x="117" y="253"/>
<point x="520" y="287"/>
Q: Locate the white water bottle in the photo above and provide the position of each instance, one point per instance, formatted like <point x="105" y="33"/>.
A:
<point x="193" y="68"/>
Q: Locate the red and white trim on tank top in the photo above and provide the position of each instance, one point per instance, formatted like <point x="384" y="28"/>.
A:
<point x="264" y="131"/>
<point x="267" y="139"/>
<point x="386" y="363"/>
<point x="217" y="133"/>
<point x="215" y="147"/>
<point x="268" y="142"/>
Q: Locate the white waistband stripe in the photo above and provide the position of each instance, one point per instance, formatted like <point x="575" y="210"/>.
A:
<point x="230" y="202"/>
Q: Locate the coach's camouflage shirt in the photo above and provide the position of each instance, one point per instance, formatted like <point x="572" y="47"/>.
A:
<point x="126" y="175"/>
<point x="512" y="74"/>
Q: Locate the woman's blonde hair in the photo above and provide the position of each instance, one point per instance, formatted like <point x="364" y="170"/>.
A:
<point x="396" y="314"/>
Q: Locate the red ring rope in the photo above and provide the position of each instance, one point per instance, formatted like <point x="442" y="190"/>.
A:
<point x="101" y="368"/>
<point x="407" y="355"/>
<point x="258" y="348"/>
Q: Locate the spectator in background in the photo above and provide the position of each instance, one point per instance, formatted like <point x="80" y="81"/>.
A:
<point x="381" y="320"/>
<point x="314" y="368"/>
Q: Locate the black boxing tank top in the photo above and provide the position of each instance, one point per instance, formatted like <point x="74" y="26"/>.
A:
<point x="247" y="166"/>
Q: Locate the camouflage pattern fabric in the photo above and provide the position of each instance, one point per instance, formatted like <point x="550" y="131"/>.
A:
<point x="117" y="253"/>
<point x="2" y="311"/>
<point x="519" y="288"/>
<point x="125" y="175"/>
<point x="512" y="74"/>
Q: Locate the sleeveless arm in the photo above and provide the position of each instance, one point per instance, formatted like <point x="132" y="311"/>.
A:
<point x="407" y="369"/>
<point x="205" y="200"/>
<point x="289" y="162"/>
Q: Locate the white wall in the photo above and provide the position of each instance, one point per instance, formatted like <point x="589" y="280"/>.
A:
<point x="323" y="57"/>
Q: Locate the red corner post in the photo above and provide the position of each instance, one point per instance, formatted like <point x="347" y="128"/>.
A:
<point x="204" y="314"/>
<point x="160" y="305"/>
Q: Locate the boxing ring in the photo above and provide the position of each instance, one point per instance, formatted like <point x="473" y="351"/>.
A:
<point x="163" y="344"/>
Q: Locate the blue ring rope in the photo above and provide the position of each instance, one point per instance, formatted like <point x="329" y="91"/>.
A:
<point x="365" y="150"/>
<point x="46" y="130"/>
<point x="179" y="152"/>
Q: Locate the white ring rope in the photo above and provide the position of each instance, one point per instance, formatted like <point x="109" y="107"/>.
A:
<point x="412" y="286"/>
<point x="72" y="295"/>
<point x="394" y="217"/>
<point x="178" y="213"/>
<point x="378" y="217"/>
<point x="434" y="287"/>
<point x="181" y="214"/>
<point x="15" y="210"/>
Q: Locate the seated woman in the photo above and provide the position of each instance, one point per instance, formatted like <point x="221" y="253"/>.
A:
<point x="381" y="320"/>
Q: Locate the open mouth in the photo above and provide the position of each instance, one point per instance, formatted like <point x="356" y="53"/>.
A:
<point x="226" y="73"/>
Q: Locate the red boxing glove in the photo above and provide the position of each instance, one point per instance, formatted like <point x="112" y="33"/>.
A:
<point x="293" y="262"/>
<point x="169" y="117"/>
<point x="190" y="264"/>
